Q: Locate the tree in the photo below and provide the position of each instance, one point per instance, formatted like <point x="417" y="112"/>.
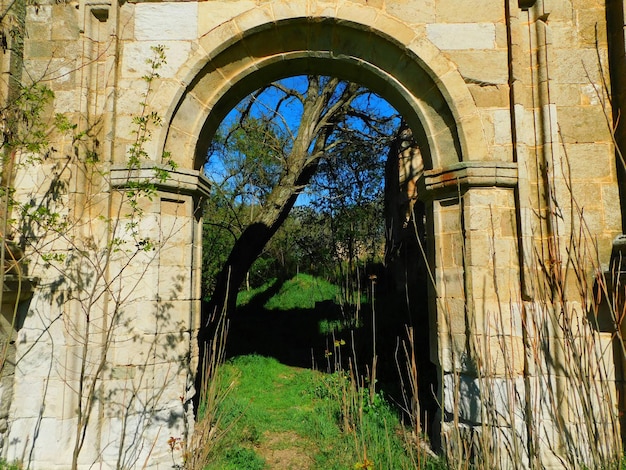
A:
<point x="286" y="149"/>
<point x="348" y="191"/>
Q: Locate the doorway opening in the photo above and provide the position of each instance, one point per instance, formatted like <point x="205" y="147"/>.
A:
<point x="315" y="238"/>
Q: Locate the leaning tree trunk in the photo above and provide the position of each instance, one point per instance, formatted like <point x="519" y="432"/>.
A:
<point x="252" y="241"/>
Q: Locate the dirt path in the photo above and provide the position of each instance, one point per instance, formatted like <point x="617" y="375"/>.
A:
<point x="285" y="451"/>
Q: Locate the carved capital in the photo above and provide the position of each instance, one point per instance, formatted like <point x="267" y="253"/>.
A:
<point x="178" y="181"/>
<point x="457" y="178"/>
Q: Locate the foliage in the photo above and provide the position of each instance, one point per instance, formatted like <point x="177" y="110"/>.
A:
<point x="263" y="157"/>
<point x="248" y="160"/>
<point x="7" y="466"/>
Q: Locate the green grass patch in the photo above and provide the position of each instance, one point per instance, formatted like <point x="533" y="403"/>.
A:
<point x="299" y="414"/>
<point x="300" y="292"/>
<point x="245" y="296"/>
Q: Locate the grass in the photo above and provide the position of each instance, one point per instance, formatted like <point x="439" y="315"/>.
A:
<point x="300" y="292"/>
<point x="271" y="415"/>
<point x="285" y="417"/>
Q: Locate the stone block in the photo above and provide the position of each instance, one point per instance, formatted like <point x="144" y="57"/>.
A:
<point x="502" y="37"/>
<point x="148" y="446"/>
<point x="126" y="21"/>
<point x="215" y="13"/>
<point x="172" y="318"/>
<point x="175" y="285"/>
<point x="257" y="18"/>
<point x="526" y="128"/>
<point x="493" y="199"/>
<point x="39" y="13"/>
<point x="451" y="251"/>
<point x="171" y="389"/>
<point x="179" y="255"/>
<point x="591" y="95"/>
<point x="284" y="10"/>
<point x="135" y="56"/>
<point x="591" y="27"/>
<point x="176" y="231"/>
<point x="128" y="350"/>
<point x="33" y="357"/>
<point x="563" y="34"/>
<point x="560" y="10"/>
<point x="567" y="94"/>
<point x="472" y="125"/>
<point x="482" y="67"/>
<point x="502" y="126"/>
<point x="490" y="96"/>
<point x="140" y="318"/>
<point x="488" y="446"/>
<point x="477" y="400"/>
<point x="373" y="3"/>
<point x="497" y="252"/>
<point x="454" y="355"/>
<point x="450" y="283"/>
<point x="502" y="153"/>
<point x="462" y="36"/>
<point x="41" y="31"/>
<point x="65" y="24"/>
<point x="449" y="220"/>
<point x="574" y="66"/>
<point x="612" y="213"/>
<point x="66" y="101"/>
<point x="182" y="146"/>
<point x="583" y="124"/>
<point x="214" y="41"/>
<point x="509" y="321"/>
<point x="451" y="316"/>
<point x="474" y="11"/>
<point x="591" y="161"/>
<point x="190" y="113"/>
<point x="139" y="283"/>
<point x="395" y="29"/>
<point x="508" y="225"/>
<point x="413" y="11"/>
<point x="166" y="21"/>
<point x="40" y="49"/>
<point x="481" y="219"/>
<point x="163" y="93"/>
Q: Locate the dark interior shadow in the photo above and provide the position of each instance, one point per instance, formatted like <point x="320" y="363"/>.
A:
<point x="292" y="337"/>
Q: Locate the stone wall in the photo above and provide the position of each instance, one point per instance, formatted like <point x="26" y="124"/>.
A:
<point x="507" y="103"/>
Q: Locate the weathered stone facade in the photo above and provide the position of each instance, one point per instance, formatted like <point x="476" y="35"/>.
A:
<point x="508" y="103"/>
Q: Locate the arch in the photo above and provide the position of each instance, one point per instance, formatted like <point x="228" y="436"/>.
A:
<point x="415" y="78"/>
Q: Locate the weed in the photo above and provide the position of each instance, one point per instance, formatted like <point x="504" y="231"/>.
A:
<point x="243" y="458"/>
<point x="10" y="466"/>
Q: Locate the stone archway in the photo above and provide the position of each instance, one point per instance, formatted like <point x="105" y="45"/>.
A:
<point x="482" y="90"/>
<point x="433" y="98"/>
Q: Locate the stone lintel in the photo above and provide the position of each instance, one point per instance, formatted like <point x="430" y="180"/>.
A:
<point x="457" y="178"/>
<point x="179" y="180"/>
